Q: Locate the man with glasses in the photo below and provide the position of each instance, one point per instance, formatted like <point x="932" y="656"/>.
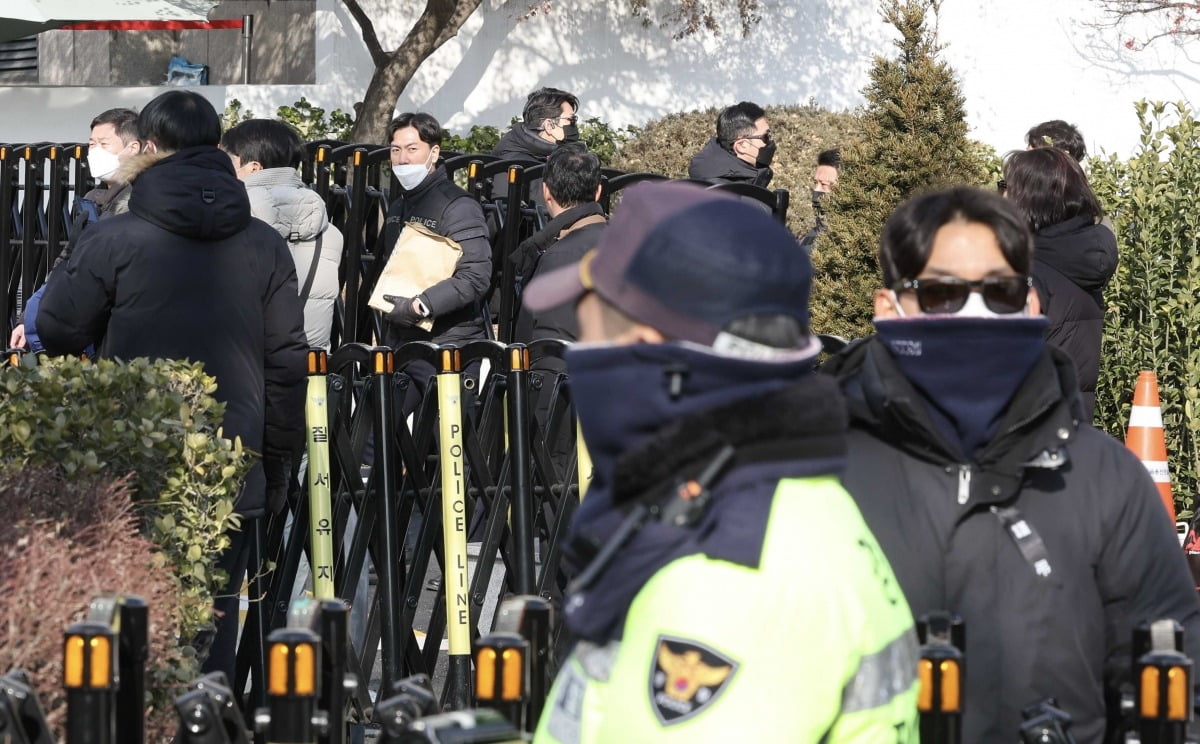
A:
<point x="989" y="497"/>
<point x="548" y="120"/>
<point x="741" y="152"/>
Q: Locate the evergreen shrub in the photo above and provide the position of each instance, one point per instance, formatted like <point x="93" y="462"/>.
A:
<point x="1152" y="316"/>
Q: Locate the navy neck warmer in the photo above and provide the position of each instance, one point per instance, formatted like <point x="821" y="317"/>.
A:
<point x="624" y="394"/>
<point x="966" y="369"/>
<point x="658" y="385"/>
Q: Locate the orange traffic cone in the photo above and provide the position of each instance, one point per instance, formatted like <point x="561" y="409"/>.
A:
<point x="1146" y="439"/>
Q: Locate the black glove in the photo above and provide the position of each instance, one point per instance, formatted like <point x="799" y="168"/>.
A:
<point x="402" y="312"/>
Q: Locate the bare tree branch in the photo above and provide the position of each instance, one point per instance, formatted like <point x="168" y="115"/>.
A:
<point x="1179" y="17"/>
<point x="367" y="27"/>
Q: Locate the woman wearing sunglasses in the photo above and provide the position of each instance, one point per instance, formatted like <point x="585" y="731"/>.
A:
<point x="990" y="497"/>
<point x="1074" y="255"/>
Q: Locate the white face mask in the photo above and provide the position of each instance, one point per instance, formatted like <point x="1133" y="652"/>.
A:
<point x="975" y="307"/>
<point x="410" y="175"/>
<point x="101" y="162"/>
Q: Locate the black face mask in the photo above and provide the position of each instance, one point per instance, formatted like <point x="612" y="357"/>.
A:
<point x="817" y="196"/>
<point x="766" y="154"/>
<point x="570" y="133"/>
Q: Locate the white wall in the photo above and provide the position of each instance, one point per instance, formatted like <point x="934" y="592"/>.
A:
<point x="1020" y="62"/>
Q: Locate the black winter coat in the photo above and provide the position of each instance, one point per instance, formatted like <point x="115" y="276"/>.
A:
<point x="715" y="163"/>
<point x="454" y="302"/>
<point x="1113" y="555"/>
<point x="1072" y="263"/>
<point x="188" y="274"/>
<point x="564" y="248"/>
<point x="523" y="145"/>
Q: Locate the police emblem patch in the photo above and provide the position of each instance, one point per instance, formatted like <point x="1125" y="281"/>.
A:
<point x="685" y="678"/>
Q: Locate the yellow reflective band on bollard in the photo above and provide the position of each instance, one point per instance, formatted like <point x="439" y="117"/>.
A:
<point x="73" y="661"/>
<point x="305" y="671"/>
<point x="320" y="499"/>
<point x="1148" y="703"/>
<point x="951" y="686"/>
<point x="583" y="461"/>
<point x="100" y="649"/>
<point x="278" y="672"/>
<point x="78" y="152"/>
<point x="383" y="362"/>
<point x="54" y="153"/>
<point x="512" y="687"/>
<point x="485" y="674"/>
<point x="358" y="157"/>
<point x="473" y="169"/>
<point x="512" y="175"/>
<point x="321" y="154"/>
<point x="925" y="686"/>
<point x="454" y="509"/>
<point x="1178" y="693"/>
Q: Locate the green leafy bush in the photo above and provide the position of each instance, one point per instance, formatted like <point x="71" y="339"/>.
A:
<point x="667" y="145"/>
<point x="481" y="139"/>
<point x="312" y="123"/>
<point x="156" y="422"/>
<point x="913" y="139"/>
<point x="1153" y="302"/>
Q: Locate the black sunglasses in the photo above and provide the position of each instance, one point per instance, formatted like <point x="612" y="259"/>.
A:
<point x="945" y="295"/>
<point x="765" y="137"/>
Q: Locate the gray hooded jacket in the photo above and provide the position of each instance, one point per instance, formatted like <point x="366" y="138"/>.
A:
<point x="279" y="198"/>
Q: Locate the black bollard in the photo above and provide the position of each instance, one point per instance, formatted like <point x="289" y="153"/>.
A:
<point x="293" y="686"/>
<point x="1163" y="676"/>
<point x="940" y="675"/>
<point x="388" y="531"/>
<point x="89" y="674"/>
<point x="21" y="718"/>
<point x="502" y="675"/>
<point x="531" y="618"/>
<point x="134" y="650"/>
<point x="520" y="460"/>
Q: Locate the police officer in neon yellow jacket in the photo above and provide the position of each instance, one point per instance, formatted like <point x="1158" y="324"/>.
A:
<point x="726" y="587"/>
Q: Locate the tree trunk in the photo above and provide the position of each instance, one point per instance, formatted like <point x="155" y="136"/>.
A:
<point x="439" y="22"/>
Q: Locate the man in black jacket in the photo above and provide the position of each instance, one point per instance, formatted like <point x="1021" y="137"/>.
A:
<point x="988" y="495"/>
<point x="741" y="152"/>
<point x="571" y="189"/>
<point x="429" y="197"/>
<point x="547" y="121"/>
<point x="188" y="274"/>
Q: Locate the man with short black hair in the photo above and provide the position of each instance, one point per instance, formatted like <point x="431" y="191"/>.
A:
<point x="187" y="273"/>
<point x="716" y="457"/>
<point x="825" y="177"/>
<point x="548" y="120"/>
<point x="1060" y="134"/>
<point x="427" y="196"/>
<point x="742" y="150"/>
<point x="571" y="189"/>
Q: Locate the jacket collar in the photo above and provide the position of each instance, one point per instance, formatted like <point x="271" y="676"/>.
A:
<point x="1042" y="419"/>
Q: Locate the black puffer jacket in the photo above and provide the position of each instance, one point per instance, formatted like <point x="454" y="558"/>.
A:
<point x="1113" y="556"/>
<point x="1072" y="264"/>
<point x="456" y="301"/>
<point x="188" y="274"/>
<point x="715" y="163"/>
<point x="523" y="145"/>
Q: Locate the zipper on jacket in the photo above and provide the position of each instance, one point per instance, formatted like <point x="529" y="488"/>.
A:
<point x="964" y="483"/>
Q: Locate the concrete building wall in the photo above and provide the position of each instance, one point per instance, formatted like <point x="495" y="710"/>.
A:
<point x="1020" y="62"/>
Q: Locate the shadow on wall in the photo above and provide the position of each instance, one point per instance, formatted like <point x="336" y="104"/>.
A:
<point x="627" y="73"/>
